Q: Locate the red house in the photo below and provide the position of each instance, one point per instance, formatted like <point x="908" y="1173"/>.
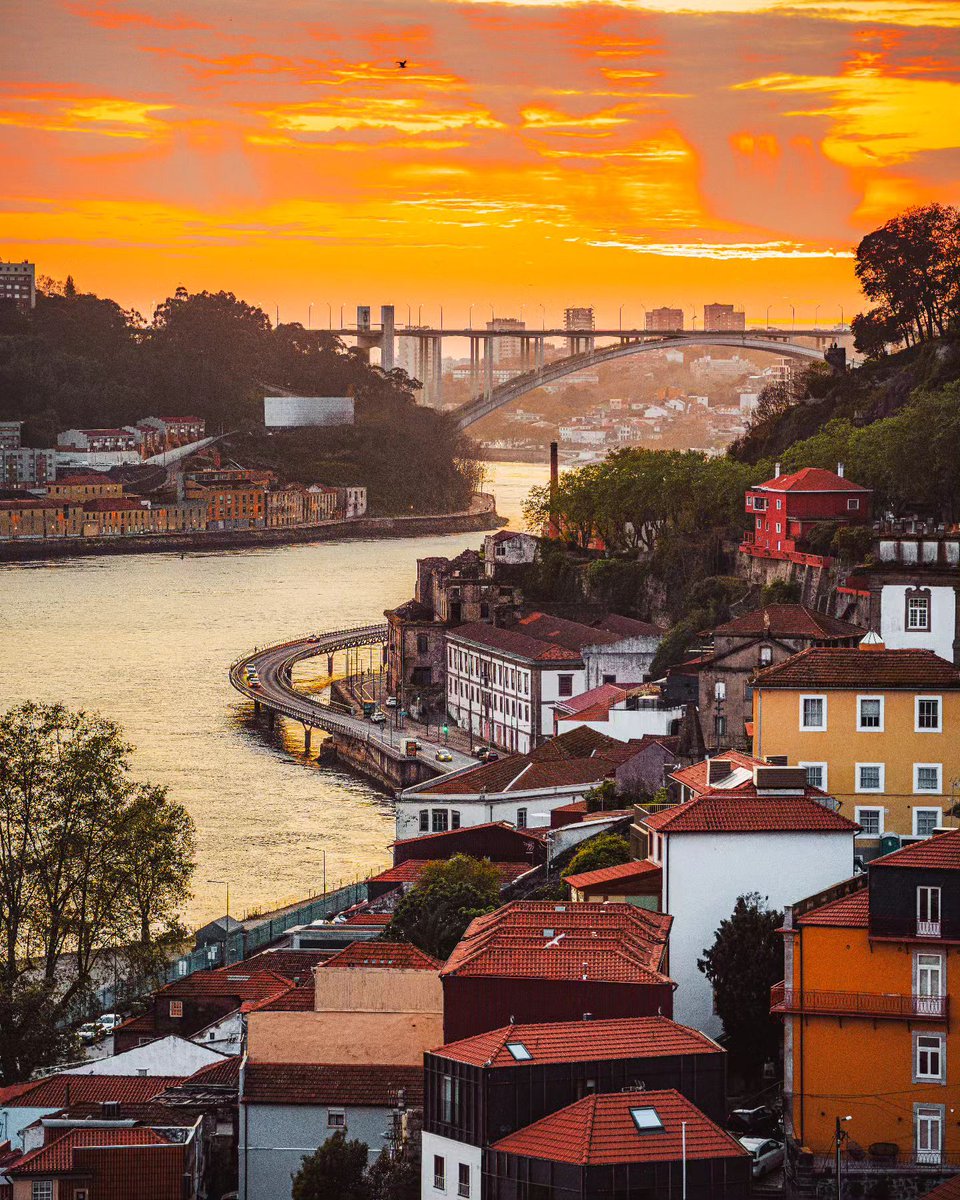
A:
<point x="532" y="961"/>
<point x="787" y="508"/>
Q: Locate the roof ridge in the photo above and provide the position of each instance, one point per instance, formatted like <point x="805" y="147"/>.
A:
<point x="589" y="1128"/>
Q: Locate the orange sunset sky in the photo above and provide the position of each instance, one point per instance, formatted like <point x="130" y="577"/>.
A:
<point x="549" y="152"/>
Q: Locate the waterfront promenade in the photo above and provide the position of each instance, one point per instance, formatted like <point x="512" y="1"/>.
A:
<point x="375" y="749"/>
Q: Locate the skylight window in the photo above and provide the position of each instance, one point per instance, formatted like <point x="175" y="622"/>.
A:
<point x="647" y="1120"/>
<point x="519" y="1051"/>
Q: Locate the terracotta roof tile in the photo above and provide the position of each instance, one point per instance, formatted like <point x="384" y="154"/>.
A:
<point x="948" y="1190"/>
<point x="225" y="1073"/>
<point x="939" y="853"/>
<point x="56" y="1091"/>
<point x="696" y="775"/>
<point x="743" y="811"/>
<point x="237" y="981"/>
<point x="298" y="999"/>
<point x="396" y="956"/>
<point x="626" y="627"/>
<point x="529" y="836"/>
<point x="847" y="912"/>
<point x="321" y="1083"/>
<point x="537" y="637"/>
<point x="810" y="479"/>
<point x="599" y="1130"/>
<point x="632" y="871"/>
<point x="848" y="667"/>
<point x="57" y="1157"/>
<point x="789" y="620"/>
<point x="617" y="943"/>
<point x="412" y="870"/>
<point x="368" y="918"/>
<point x="581" y="1041"/>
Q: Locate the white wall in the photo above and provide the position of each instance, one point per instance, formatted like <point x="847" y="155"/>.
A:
<point x="166" y="1056"/>
<point x="473" y="812"/>
<point x="13" y="1121"/>
<point x="290" y="411"/>
<point x="625" y="724"/>
<point x="550" y="694"/>
<point x="453" y="1153"/>
<point x="943" y="601"/>
<point x="704" y="874"/>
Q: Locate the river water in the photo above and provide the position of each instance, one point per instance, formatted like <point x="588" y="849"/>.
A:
<point x="146" y="640"/>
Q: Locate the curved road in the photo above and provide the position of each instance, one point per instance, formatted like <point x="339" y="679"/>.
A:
<point x="274" y="665"/>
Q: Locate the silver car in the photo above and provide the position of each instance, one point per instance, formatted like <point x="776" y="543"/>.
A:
<point x="765" y="1153"/>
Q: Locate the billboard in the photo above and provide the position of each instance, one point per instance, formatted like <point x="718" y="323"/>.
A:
<point x="291" y="412"/>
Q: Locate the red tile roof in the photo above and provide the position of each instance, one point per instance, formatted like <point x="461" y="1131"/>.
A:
<point x="789" y="621"/>
<point x="134" y="1172"/>
<point x="412" y="869"/>
<point x="605" y="694"/>
<point x="537" y="637"/>
<point x="288" y="964"/>
<point x="57" y="1157"/>
<point x="111" y="504"/>
<point x="616" y="943"/>
<point x="395" y="956"/>
<point x="599" y="1130"/>
<point x="56" y="1091"/>
<point x="321" y="1083"/>
<point x="696" y="775"/>
<point x="530" y="836"/>
<point x="225" y="1073"/>
<point x="626" y="627"/>
<point x="237" y="981"/>
<point x="810" y="479"/>
<point x="948" y="1190"/>
<point x="298" y="999"/>
<point x="939" y="853"/>
<point x="743" y="811"/>
<point x="581" y="1041"/>
<point x="368" y="918"/>
<point x="847" y="667"/>
<point x="847" y="912"/>
<point x="629" y="871"/>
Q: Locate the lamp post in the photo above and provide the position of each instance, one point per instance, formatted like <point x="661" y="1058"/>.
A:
<point x="769" y="306"/>
<point x="840" y="306"/>
<point x="330" y="315"/>
<point x="816" y="316"/>
<point x="419" y="315"/>
<point x="793" y="317"/>
<point x="309" y="314"/>
<point x="470" y="317"/>
<point x="341" y="316"/>
<point x="543" y="318"/>
<point x="620" y="319"/>
<point x="693" y="310"/>
<point x="840" y="1136"/>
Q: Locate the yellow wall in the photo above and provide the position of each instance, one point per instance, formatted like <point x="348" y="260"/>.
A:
<point x="861" y="1067"/>
<point x="776" y="730"/>
<point x="363" y="1015"/>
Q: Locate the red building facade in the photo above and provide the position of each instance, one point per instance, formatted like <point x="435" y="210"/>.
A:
<point x="787" y="509"/>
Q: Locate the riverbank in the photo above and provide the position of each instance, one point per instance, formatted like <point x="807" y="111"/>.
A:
<point x="480" y="517"/>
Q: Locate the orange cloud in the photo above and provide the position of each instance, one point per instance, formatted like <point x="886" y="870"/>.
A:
<point x="106" y="116"/>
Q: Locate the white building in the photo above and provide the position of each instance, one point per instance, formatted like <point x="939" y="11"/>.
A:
<point x="502" y="683"/>
<point x="18" y="283"/>
<point x="352" y="501"/>
<point x="918" y="617"/>
<point x="507" y="547"/>
<point x="626" y="714"/>
<point x="291" y="412"/>
<point x="773" y="836"/>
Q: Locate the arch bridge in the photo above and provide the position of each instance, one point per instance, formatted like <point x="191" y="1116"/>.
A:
<point x="491" y="398"/>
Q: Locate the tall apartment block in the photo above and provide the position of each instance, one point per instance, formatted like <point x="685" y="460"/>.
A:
<point x="18" y="283"/>
<point x="663" y="320"/>
<point x="723" y="318"/>
<point x="576" y="320"/>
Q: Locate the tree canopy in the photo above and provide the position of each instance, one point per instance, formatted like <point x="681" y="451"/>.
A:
<point x="335" y="1171"/>
<point x="434" y="914"/>
<point x="606" y="850"/>
<point x="743" y="964"/>
<point x="90" y="863"/>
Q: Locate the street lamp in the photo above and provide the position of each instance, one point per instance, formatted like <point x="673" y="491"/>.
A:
<point x="769" y="306"/>
<point x="330" y="315"/>
<point x="419" y="316"/>
<point x="840" y="306"/>
<point x="693" y="310"/>
<point x="543" y="318"/>
<point x="816" y="316"/>
<point x="621" y="319"/>
<point x="840" y="1136"/>
<point x="309" y="314"/>
<point x="341" y="316"/>
<point x="470" y="317"/>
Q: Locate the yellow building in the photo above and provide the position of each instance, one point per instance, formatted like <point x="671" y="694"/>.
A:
<point x="870" y="1027"/>
<point x="878" y="729"/>
<point x="79" y="488"/>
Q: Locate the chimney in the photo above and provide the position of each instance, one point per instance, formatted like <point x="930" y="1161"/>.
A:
<point x="110" y="1110"/>
<point x="776" y="471"/>
<point x="840" y="469"/>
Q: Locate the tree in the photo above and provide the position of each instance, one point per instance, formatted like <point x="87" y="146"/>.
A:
<point x="335" y="1171"/>
<point x="434" y="914"/>
<point x="743" y="964"/>
<point x="395" y="1178"/>
<point x="606" y="850"/>
<point x="89" y="862"/>
<point x="603" y="797"/>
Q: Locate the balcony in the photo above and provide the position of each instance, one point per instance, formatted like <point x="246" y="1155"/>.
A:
<point x="872" y="1005"/>
<point x="928" y="929"/>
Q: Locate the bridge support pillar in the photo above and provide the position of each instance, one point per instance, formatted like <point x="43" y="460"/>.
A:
<point x="256" y="708"/>
<point x="539" y="362"/>
<point x="474" y="366"/>
<point x="487" y="367"/>
<point x="329" y="664"/>
<point x="307" y="731"/>
<point x="271" y="718"/>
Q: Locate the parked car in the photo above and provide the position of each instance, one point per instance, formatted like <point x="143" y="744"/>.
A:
<point x="443" y="756"/>
<point x="761" y="1121"/>
<point x="485" y="754"/>
<point x="90" y="1032"/>
<point x="378" y="717"/>
<point x="109" y="1021"/>
<point x="765" y="1153"/>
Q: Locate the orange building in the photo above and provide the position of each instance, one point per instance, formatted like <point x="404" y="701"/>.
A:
<point x="84" y="487"/>
<point x="230" y="505"/>
<point x="870" y="966"/>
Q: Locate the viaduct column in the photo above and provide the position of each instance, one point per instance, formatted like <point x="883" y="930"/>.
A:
<point x="474" y="366"/>
<point x="487" y="367"/>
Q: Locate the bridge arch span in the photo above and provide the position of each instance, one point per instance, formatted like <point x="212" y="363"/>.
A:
<point x="520" y="385"/>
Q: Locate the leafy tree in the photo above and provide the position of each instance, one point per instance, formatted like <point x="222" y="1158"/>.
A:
<point x="606" y="850"/>
<point x="744" y="962"/>
<point x="395" y="1178"/>
<point x="780" y="591"/>
<point x="603" y="797"/>
<point x="89" y="861"/>
<point x="335" y="1171"/>
<point x="434" y="914"/>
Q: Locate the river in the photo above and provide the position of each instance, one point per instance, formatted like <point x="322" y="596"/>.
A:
<point x="146" y="640"/>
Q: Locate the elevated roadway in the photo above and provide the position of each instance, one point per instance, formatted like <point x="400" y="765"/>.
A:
<point x="275" y="692"/>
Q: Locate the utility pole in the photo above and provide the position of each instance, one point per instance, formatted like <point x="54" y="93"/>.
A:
<point x="840" y="1137"/>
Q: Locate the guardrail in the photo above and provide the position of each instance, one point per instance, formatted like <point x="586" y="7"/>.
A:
<point x="876" y="1005"/>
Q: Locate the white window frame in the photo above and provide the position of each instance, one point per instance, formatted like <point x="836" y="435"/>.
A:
<point x="822" y="728"/>
<point x="333" y="1114"/>
<point x="463" y="1186"/>
<point x="439" y="1176"/>
<point x="824" y="768"/>
<point x="922" y="808"/>
<point x="869" y="791"/>
<point x="930" y="1112"/>
<point x="940" y="973"/>
<point x="917" y="789"/>
<point x="42" y="1189"/>
<point x="861" y="728"/>
<point x="917" y="728"/>
<point x="927" y="606"/>
<point x="877" y="808"/>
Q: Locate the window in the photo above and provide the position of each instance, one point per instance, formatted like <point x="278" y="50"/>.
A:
<point x="720" y="690"/>
<point x="519" y="1051"/>
<point x="42" y="1189"/>
<point x="440" y="823"/>
<point x="870" y="821"/>
<point x="455" y="818"/>
<point x="766" y="656"/>
<point x="926" y="777"/>
<point x="925" y="821"/>
<point x="336" y="1118"/>
<point x="424" y="820"/>
<point x="176" y="1008"/>
<point x="816" y="774"/>
<point x="927" y="715"/>
<point x="463" y="1182"/>
<point x="521" y="818"/>
<point x="439" y="1173"/>
<point x="423" y="643"/>
<point x="917" y="610"/>
<point x="647" y="1120"/>
<point x="870" y="777"/>
<point x="928" y="912"/>
<point x="928" y="988"/>
<point x="853" y="505"/>
<point x="870" y="714"/>
<point x="565" y="685"/>
<point x="929" y="1132"/>
<point x="449" y="1097"/>
<point x="80" y="1194"/>
<point x="813" y="713"/>
<point x="609" y="679"/>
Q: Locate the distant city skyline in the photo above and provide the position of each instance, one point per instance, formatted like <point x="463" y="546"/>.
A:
<point x="613" y="155"/>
